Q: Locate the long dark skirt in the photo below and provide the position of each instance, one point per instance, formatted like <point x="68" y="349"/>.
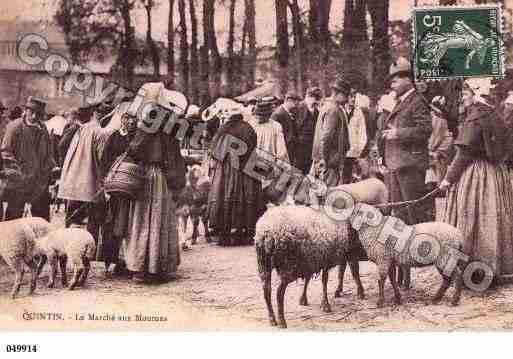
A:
<point x="234" y="201"/>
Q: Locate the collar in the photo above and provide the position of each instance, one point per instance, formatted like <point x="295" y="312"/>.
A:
<point x="406" y="94"/>
<point x="37" y="124"/>
<point x="287" y="111"/>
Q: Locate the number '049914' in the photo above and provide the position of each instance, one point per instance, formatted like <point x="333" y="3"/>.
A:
<point x="21" y="348"/>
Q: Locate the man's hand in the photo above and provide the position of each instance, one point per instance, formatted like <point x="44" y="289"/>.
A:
<point x="444" y="185"/>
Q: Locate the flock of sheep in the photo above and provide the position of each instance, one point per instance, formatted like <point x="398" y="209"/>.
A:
<point x="33" y="241"/>
<point x="297" y="241"/>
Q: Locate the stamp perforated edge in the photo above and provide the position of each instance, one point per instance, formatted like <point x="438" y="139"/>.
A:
<point x="502" y="50"/>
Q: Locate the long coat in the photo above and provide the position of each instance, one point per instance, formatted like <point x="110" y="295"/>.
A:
<point x="289" y="127"/>
<point x="306" y="122"/>
<point x="411" y="117"/>
<point x="26" y="149"/>
<point x="331" y="141"/>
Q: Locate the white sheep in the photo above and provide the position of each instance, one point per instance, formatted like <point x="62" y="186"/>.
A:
<point x="74" y="244"/>
<point x="389" y="242"/>
<point x="17" y="247"/>
<point x="370" y="191"/>
<point x="298" y="241"/>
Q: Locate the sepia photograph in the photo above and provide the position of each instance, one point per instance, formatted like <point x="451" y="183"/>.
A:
<point x="256" y="166"/>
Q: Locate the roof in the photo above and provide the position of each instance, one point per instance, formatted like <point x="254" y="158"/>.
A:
<point x="269" y="88"/>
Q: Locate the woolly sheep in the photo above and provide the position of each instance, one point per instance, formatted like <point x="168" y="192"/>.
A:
<point x="298" y="242"/>
<point x="387" y="257"/>
<point x="370" y="191"/>
<point x="17" y="246"/>
<point x="74" y="244"/>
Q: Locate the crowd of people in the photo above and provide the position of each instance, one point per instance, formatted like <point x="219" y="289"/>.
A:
<point x="406" y="141"/>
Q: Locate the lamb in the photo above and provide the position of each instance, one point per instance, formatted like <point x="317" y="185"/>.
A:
<point x="65" y="244"/>
<point x="298" y="242"/>
<point x="390" y="243"/>
<point x="17" y="247"/>
<point x="370" y="191"/>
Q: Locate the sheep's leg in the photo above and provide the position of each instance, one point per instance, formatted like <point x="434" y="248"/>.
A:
<point x="76" y="276"/>
<point x="280" y="295"/>
<point x="267" y="296"/>
<point x="383" y="272"/>
<point x="204" y="220"/>
<point x="391" y="275"/>
<point x="33" y="265"/>
<point x="304" y="300"/>
<point x="458" y="285"/>
<point x="63" y="261"/>
<point x="53" y="274"/>
<point x="20" y="271"/>
<point x="325" y="305"/>
<point x="41" y="264"/>
<point x="87" y="267"/>
<point x="404" y="277"/>
<point x="355" y="271"/>
<point x="341" y="272"/>
<point x="195" y="224"/>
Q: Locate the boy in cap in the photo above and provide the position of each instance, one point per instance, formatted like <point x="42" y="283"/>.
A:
<point x="26" y="149"/>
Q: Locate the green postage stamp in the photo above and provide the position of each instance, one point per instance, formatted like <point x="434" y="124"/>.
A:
<point x="458" y="42"/>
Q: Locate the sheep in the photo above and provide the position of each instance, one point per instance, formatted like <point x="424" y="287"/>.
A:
<point x="370" y="191"/>
<point x="390" y="243"/>
<point x="17" y="246"/>
<point x="298" y="242"/>
<point x="75" y="244"/>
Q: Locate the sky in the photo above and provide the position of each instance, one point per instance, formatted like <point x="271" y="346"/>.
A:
<point x="44" y="10"/>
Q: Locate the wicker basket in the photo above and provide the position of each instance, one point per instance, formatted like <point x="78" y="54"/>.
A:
<point x="125" y="179"/>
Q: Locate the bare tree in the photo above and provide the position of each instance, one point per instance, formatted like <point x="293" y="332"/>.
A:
<point x="380" y="46"/>
<point x="171" y="46"/>
<point x="250" y="24"/>
<point x="230" y="68"/>
<point x="216" y="63"/>
<point x="282" y="37"/>
<point x="92" y="28"/>
<point x="356" y="42"/>
<point x="152" y="47"/>
<point x="194" y="68"/>
<point x="184" y="49"/>
<point x="205" y="62"/>
<point x="299" y="46"/>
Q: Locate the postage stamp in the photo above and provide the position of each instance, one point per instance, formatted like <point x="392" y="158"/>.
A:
<point x="458" y="42"/>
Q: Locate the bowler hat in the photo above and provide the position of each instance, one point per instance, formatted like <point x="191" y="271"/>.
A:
<point x="35" y="104"/>
<point x="401" y="67"/>
<point x="342" y="86"/>
<point x="314" y="92"/>
<point x="292" y="95"/>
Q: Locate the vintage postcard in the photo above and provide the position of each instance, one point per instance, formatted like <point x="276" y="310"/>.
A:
<point x="247" y="165"/>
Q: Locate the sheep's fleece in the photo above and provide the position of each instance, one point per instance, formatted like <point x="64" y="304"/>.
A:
<point x="73" y="242"/>
<point x="301" y="239"/>
<point x="17" y="238"/>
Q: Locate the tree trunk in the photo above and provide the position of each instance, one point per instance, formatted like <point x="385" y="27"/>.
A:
<point x="194" y="71"/>
<point x="217" y="62"/>
<point x="380" y="47"/>
<point x="356" y="43"/>
<point x="325" y="40"/>
<point x="128" y="51"/>
<point x="231" y="55"/>
<point x="299" y="46"/>
<point x="282" y="36"/>
<point x="205" y="63"/>
<point x="171" y="46"/>
<point x="184" y="49"/>
<point x="152" y="47"/>
<point x="252" y="54"/>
